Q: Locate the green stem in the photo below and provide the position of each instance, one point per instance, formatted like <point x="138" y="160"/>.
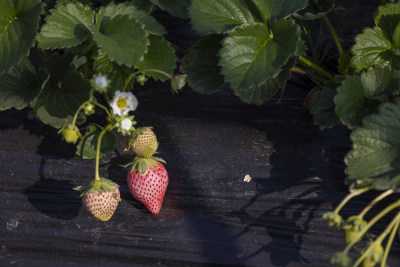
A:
<point x="334" y="35"/>
<point x="373" y="202"/>
<point x="103" y="107"/>
<point x="105" y="130"/>
<point x="389" y="243"/>
<point x="350" y="196"/>
<point x="371" y="223"/>
<point x="298" y="70"/>
<point x="141" y="71"/>
<point x="77" y="112"/>
<point x="316" y="67"/>
<point x="379" y="240"/>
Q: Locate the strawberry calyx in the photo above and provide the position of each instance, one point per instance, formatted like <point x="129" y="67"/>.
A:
<point x="142" y="164"/>
<point x="99" y="186"/>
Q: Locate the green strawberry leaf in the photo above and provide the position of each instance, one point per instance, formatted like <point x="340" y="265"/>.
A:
<point x="381" y="80"/>
<point x="69" y="25"/>
<point x="316" y="9"/>
<point x="353" y="103"/>
<point x="160" y="56"/>
<point x="375" y="157"/>
<point x="371" y="49"/>
<point x="251" y="54"/>
<point x="115" y="73"/>
<point x="123" y="39"/>
<point x="387" y="18"/>
<point x="145" y="5"/>
<point x="64" y="2"/>
<point x="105" y="14"/>
<point x="63" y="94"/>
<point x="323" y="107"/>
<point x="210" y="16"/>
<point x="274" y="10"/>
<point x="177" y="8"/>
<point x="20" y="86"/>
<point x="87" y="146"/>
<point x="258" y="95"/>
<point x="18" y="28"/>
<point x="201" y="65"/>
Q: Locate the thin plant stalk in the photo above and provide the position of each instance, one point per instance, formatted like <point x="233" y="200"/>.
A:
<point x="105" y="130"/>
<point x="373" y="202"/>
<point x="379" y="240"/>
<point x="316" y="67"/>
<point x="371" y="223"/>
<point x="389" y="243"/>
<point x="129" y="79"/>
<point x="334" y="35"/>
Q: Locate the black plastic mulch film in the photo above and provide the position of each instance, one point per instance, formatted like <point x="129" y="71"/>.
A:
<point x="210" y="215"/>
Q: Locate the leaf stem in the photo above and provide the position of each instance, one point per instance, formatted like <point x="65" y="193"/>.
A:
<point x="373" y="202"/>
<point x="350" y="196"/>
<point x="128" y="80"/>
<point x="371" y="223"/>
<point x="316" y="67"/>
<point x="334" y="35"/>
<point x="105" y="130"/>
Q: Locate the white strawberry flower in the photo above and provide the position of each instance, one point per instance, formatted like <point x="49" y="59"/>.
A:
<point x="123" y="102"/>
<point x="126" y="124"/>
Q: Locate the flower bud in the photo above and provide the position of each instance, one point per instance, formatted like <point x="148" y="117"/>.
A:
<point x="100" y="83"/>
<point x="89" y="109"/>
<point x="142" y="79"/>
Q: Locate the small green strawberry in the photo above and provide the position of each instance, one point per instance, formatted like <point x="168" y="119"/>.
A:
<point x="352" y="228"/>
<point x="143" y="142"/>
<point x="101" y="198"/>
<point x="374" y="256"/>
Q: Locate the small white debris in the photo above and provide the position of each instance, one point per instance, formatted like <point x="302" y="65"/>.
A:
<point x="11" y="224"/>
<point x="247" y="178"/>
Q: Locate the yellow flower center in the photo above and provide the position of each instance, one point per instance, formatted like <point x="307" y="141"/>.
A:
<point x="121" y="103"/>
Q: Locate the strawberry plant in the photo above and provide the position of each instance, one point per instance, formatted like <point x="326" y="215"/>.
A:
<point x="67" y="60"/>
<point x="252" y="47"/>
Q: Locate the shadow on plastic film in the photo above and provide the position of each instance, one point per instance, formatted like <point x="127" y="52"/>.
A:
<point x="52" y="197"/>
<point x="301" y="170"/>
<point x="182" y="204"/>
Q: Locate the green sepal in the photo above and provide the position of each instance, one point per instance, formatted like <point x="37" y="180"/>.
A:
<point x="141" y="164"/>
<point x="102" y="185"/>
<point x="333" y="218"/>
<point x="352" y="228"/>
<point x="341" y="259"/>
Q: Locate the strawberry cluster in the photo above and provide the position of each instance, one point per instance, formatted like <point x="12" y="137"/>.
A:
<point x="148" y="178"/>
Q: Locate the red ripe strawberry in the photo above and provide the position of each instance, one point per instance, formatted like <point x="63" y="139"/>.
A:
<point x="148" y="183"/>
<point x="101" y="198"/>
